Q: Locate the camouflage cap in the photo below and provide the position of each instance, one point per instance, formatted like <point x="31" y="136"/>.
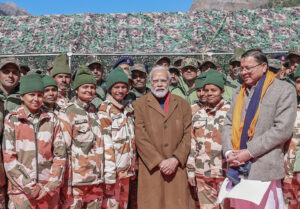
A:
<point x="238" y="52"/>
<point x="138" y="67"/>
<point x="275" y="64"/>
<point x="163" y="58"/>
<point x="92" y="59"/>
<point x="189" y="62"/>
<point x="174" y="69"/>
<point x="294" y="51"/>
<point x="209" y="59"/>
<point x="9" y="60"/>
<point x="177" y="62"/>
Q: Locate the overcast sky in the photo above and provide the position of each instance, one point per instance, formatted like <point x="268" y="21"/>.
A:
<point x="41" y="7"/>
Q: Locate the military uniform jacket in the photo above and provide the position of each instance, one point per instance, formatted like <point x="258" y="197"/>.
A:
<point x="117" y="123"/>
<point x="293" y="152"/>
<point x="33" y="154"/>
<point x="2" y="172"/>
<point x="205" y="158"/>
<point x="82" y="134"/>
<point x="11" y="101"/>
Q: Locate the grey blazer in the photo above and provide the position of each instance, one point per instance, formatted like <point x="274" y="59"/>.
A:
<point x="273" y="128"/>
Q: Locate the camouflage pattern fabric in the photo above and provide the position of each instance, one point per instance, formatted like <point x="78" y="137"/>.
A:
<point x="291" y="188"/>
<point x="208" y="190"/>
<point x="99" y="97"/>
<point x="21" y="201"/>
<point x="82" y="134"/>
<point x="2" y="171"/>
<point x="196" y="106"/>
<point x="187" y="32"/>
<point x="11" y="101"/>
<point x="205" y="158"/>
<point x="54" y="110"/>
<point x="42" y="143"/>
<point x="119" y="200"/>
<point x="88" y="197"/>
<point x="62" y="100"/>
<point x="134" y="94"/>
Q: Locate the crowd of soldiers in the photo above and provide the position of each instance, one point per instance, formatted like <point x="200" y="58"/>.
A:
<point x="68" y="139"/>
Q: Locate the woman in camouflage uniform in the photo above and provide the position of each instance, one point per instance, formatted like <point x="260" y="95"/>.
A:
<point x="34" y="151"/>
<point x="116" y="117"/>
<point x="81" y="130"/>
<point x="205" y="165"/>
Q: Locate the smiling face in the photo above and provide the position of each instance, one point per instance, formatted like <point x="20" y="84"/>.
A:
<point x="9" y="77"/>
<point x="86" y="92"/>
<point x="251" y="70"/>
<point x="189" y="73"/>
<point x="160" y="83"/>
<point x="33" y="101"/>
<point x="201" y="95"/>
<point x="119" y="91"/>
<point x="213" y="94"/>
<point x="138" y="79"/>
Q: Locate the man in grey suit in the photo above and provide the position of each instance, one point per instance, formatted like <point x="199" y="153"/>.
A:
<point x="258" y="124"/>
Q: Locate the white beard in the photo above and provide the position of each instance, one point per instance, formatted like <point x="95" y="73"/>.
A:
<point x="159" y="94"/>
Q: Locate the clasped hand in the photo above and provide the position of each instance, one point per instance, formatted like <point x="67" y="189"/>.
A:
<point x="168" y="166"/>
<point x="238" y="157"/>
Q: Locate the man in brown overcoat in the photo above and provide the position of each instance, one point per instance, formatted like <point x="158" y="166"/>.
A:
<point x="162" y="128"/>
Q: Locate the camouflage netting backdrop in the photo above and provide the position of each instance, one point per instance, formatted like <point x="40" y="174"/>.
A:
<point x="142" y="33"/>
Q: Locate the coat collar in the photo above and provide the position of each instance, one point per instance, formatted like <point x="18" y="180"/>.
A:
<point x="153" y="103"/>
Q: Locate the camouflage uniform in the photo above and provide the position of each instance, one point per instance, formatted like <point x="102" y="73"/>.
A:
<point x="205" y="161"/>
<point x="2" y="172"/>
<point x="84" y="176"/>
<point x="291" y="188"/>
<point x="54" y="110"/>
<point x="196" y="106"/>
<point x="34" y="157"/>
<point x="99" y="97"/>
<point x="63" y="100"/>
<point x="183" y="91"/>
<point x="117" y="125"/>
<point x="11" y="101"/>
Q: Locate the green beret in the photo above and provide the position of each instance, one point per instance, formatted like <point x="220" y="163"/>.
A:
<point x="115" y="76"/>
<point x="48" y="81"/>
<point x="216" y="78"/>
<point x="31" y="83"/>
<point x="83" y="76"/>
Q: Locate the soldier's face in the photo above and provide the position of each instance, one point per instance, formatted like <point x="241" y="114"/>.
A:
<point x="33" y="101"/>
<point x="174" y="78"/>
<point x="251" y="70"/>
<point x="294" y="62"/>
<point x="235" y="68"/>
<point x="189" y="73"/>
<point x="138" y="79"/>
<point x="297" y="84"/>
<point x="86" y="92"/>
<point x="213" y="94"/>
<point x="207" y="66"/>
<point x="9" y="76"/>
<point x="201" y="95"/>
<point x="97" y="71"/>
<point x="63" y="81"/>
<point x="119" y="91"/>
<point x="50" y="95"/>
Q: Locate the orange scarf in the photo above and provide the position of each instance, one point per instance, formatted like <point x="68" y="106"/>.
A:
<point x="237" y="125"/>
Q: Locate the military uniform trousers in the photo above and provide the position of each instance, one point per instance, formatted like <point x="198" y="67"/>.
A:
<point x="23" y="201"/>
<point x="291" y="194"/>
<point x="88" y="197"/>
<point x="208" y="190"/>
<point x="118" y="199"/>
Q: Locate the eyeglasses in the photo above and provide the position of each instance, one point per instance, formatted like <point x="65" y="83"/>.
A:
<point x="249" y="69"/>
<point x="156" y="81"/>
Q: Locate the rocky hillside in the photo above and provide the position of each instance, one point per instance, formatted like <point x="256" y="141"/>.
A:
<point x="232" y="5"/>
<point x="11" y="9"/>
